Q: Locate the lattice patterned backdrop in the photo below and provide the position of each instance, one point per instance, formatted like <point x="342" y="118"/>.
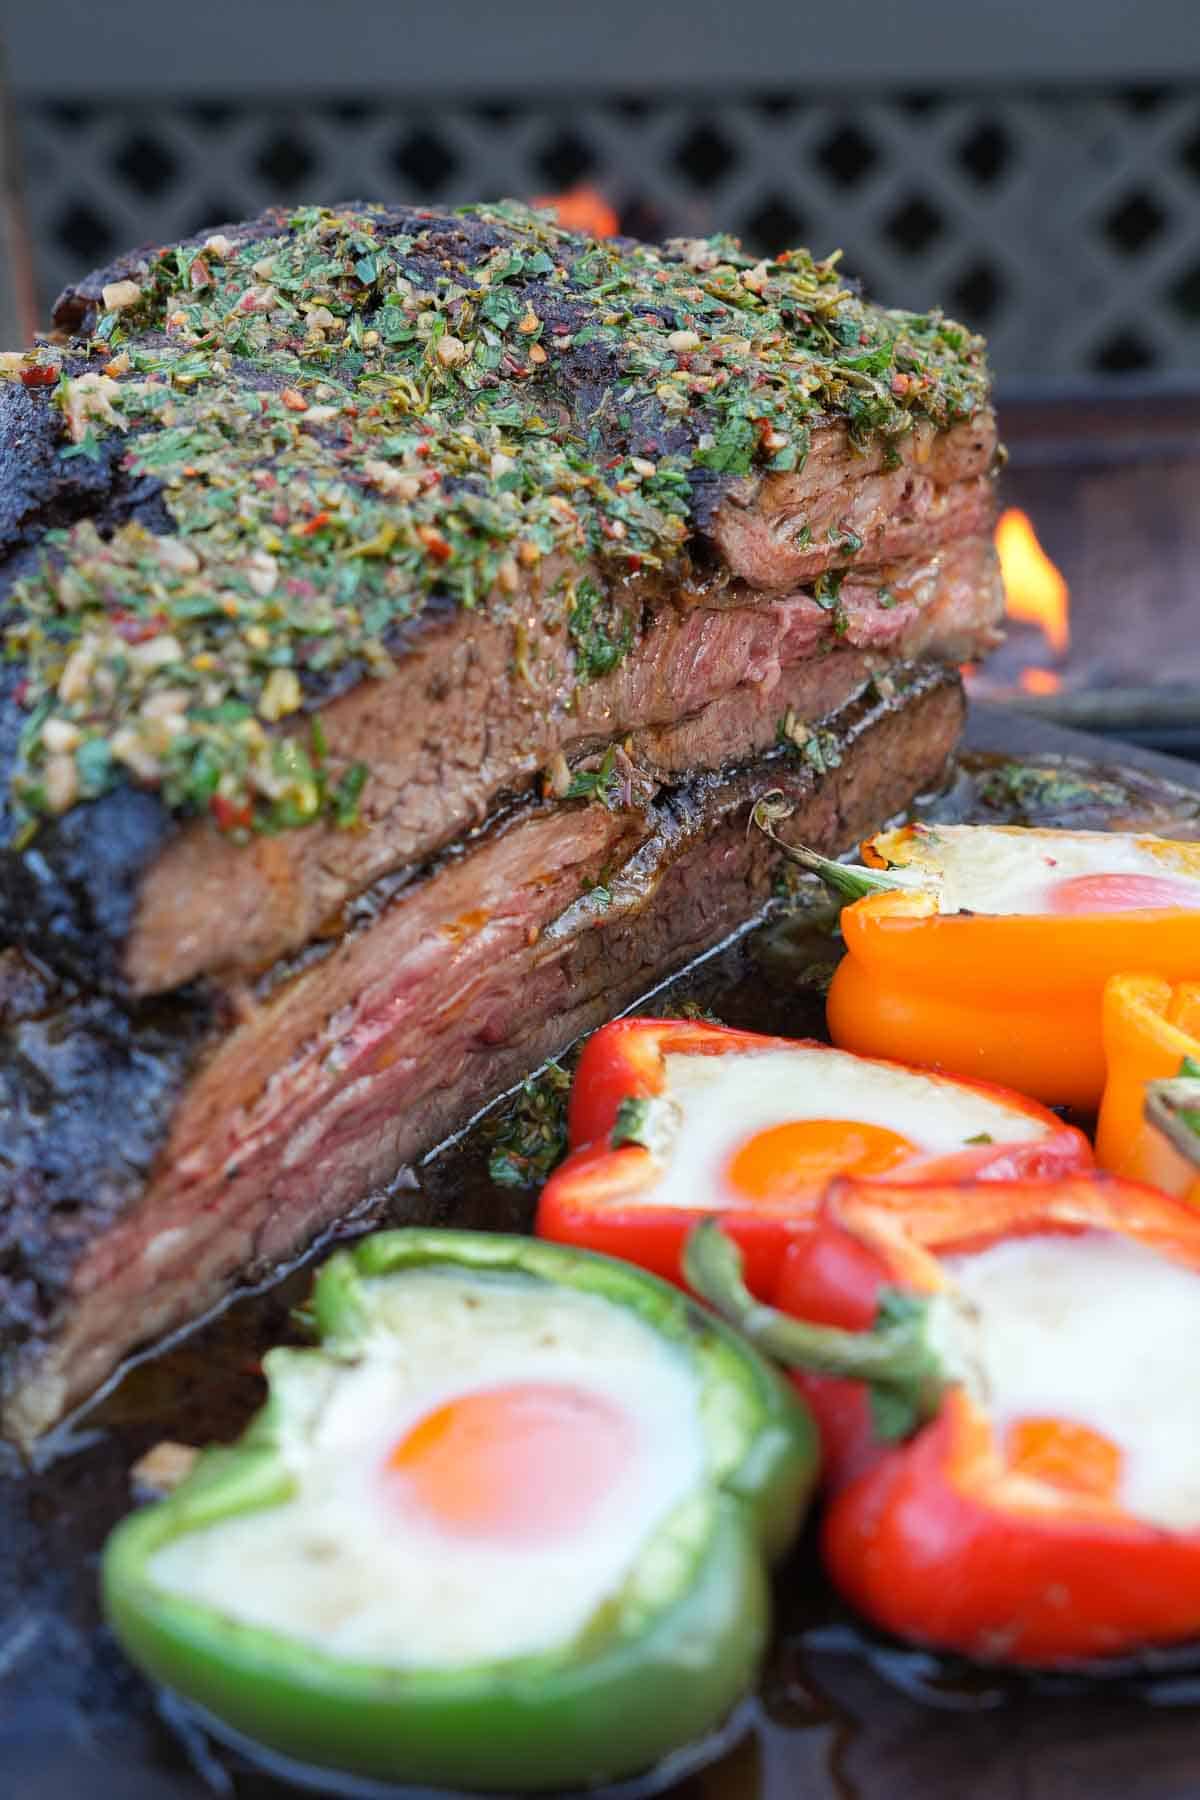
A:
<point x="1066" y="225"/>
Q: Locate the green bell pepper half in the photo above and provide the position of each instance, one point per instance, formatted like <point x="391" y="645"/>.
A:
<point x="658" y="1666"/>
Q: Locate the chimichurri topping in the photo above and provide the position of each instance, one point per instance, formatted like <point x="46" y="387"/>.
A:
<point x="366" y="408"/>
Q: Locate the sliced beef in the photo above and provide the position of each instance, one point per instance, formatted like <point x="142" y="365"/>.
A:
<point x="777" y="531"/>
<point x="874" y="540"/>
<point x="454" y="728"/>
<point x="116" y="886"/>
<point x="153" y="1152"/>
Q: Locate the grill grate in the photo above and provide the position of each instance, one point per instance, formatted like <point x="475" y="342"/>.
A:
<point x="1066" y="225"/>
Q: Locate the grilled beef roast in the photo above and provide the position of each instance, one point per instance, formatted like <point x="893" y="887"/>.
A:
<point x="470" y="491"/>
<point x="401" y="612"/>
<point x="153" y="1152"/>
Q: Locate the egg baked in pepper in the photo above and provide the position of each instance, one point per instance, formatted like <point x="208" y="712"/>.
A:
<point x="1004" y="1376"/>
<point x="984" y="950"/>
<point x="508" y="1526"/>
<point x="671" y="1121"/>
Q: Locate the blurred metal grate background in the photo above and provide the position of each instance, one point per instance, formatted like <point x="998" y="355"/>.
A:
<point x="1064" y="223"/>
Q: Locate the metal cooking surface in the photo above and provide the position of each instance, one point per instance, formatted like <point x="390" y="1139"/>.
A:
<point x="840" y="1713"/>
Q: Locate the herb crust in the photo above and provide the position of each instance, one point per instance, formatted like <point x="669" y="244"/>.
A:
<point x="346" y="412"/>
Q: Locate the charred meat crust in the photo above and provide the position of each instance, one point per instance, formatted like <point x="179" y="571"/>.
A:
<point x="111" y="1232"/>
<point x="87" y="1090"/>
<point x="72" y="899"/>
<point x="41" y="491"/>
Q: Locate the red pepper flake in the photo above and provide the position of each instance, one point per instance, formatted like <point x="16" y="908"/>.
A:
<point x="435" y="543"/>
<point x="294" y="400"/>
<point x="39" y="375"/>
<point x="136" y="628"/>
<point x="316" y="523"/>
<point x="228" y="816"/>
<point x="634" y="561"/>
<point x="422" y="449"/>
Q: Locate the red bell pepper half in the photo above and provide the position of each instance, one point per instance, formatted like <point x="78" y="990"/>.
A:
<point x="673" y="1121"/>
<point x="1025" y="1499"/>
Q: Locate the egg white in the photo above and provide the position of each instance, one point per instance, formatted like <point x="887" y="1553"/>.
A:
<point x="712" y="1104"/>
<point x="993" y="869"/>
<point x="342" y="1566"/>
<point x="1100" y="1331"/>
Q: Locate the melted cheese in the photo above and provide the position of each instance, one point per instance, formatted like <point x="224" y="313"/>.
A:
<point x="713" y="1104"/>
<point x="1100" y="1331"/>
<point x="344" y="1566"/>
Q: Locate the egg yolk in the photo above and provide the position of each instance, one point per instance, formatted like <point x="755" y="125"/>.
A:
<point x="1066" y="1454"/>
<point x="1122" y="893"/>
<point x="788" y="1161"/>
<point x="521" y="1462"/>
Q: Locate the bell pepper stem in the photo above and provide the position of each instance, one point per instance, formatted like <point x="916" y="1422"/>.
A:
<point x="1173" y="1107"/>
<point x="849" y="883"/>
<point x="895" y="1357"/>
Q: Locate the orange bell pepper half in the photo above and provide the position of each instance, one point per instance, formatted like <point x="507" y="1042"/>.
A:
<point x="983" y="950"/>
<point x="672" y="1121"/>
<point x="1151" y="1034"/>
<point x="1000" y="1485"/>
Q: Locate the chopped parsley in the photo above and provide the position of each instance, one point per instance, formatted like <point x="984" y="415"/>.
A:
<point x="600" y="631"/>
<point x="531" y="1136"/>
<point x="603" y="783"/>
<point x="632" y="1124"/>
<point x="1048" y="789"/>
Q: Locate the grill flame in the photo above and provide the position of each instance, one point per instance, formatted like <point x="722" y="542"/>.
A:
<point x="582" y="209"/>
<point x="1035" y="590"/>
<point x="1039" y="681"/>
